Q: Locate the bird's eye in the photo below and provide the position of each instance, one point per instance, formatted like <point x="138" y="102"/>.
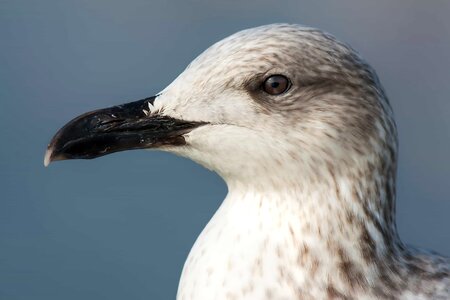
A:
<point x="276" y="84"/>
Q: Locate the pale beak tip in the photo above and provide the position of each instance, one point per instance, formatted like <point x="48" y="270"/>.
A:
<point x="48" y="157"/>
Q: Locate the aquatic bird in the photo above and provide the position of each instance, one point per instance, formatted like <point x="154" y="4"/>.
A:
<point x="300" y="128"/>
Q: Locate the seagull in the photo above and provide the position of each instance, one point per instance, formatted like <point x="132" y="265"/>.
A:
<point x="300" y="129"/>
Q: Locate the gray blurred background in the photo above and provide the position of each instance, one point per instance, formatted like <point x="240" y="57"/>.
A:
<point x="120" y="227"/>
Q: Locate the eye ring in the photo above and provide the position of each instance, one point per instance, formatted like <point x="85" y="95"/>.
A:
<point x="276" y="84"/>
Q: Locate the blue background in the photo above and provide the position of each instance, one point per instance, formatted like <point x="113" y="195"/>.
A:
<point x="120" y="227"/>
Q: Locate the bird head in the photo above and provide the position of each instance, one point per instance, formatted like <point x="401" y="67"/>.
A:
<point x="276" y="103"/>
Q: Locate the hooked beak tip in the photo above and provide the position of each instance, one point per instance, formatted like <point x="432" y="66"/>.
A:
<point x="48" y="157"/>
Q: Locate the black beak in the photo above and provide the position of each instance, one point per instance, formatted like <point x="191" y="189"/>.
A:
<point x="118" y="128"/>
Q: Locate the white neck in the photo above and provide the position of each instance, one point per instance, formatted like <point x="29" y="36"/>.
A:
<point x="318" y="237"/>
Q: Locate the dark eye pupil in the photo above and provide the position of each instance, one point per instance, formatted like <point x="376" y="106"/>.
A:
<point x="276" y="85"/>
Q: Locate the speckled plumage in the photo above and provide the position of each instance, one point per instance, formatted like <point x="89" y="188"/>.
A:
<point x="310" y="212"/>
